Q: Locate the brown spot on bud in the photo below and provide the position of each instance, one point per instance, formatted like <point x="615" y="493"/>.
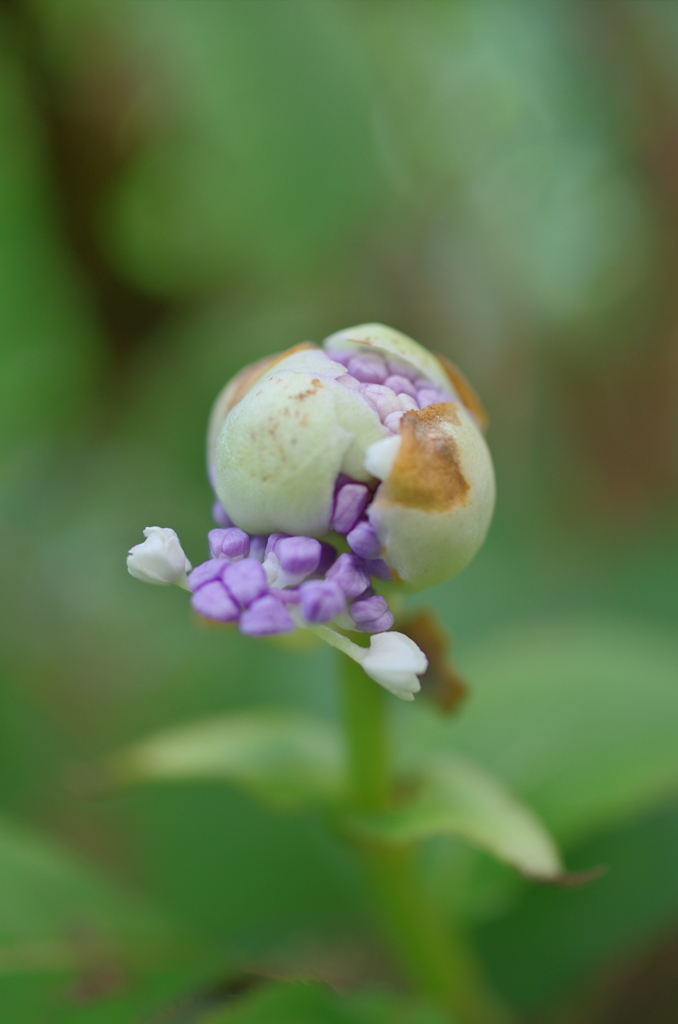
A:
<point x="427" y="472"/>
<point x="466" y="391"/>
<point x="239" y="386"/>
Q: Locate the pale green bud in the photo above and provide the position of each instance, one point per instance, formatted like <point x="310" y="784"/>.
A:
<point x="285" y="428"/>
<point x="435" y="504"/>
<point x="279" y="451"/>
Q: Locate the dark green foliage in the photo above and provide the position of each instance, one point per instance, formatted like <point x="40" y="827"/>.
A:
<point x="186" y="185"/>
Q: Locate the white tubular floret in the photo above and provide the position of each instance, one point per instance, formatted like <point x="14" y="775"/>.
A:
<point x="159" y="559"/>
<point x="393" y="660"/>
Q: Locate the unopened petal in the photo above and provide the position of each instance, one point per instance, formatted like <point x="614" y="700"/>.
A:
<point x="394" y="661"/>
<point x="282" y="447"/>
<point x="434" y="508"/>
<point x="159" y="559"/>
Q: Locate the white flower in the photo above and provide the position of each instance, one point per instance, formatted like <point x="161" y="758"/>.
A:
<point x="159" y="559"/>
<point x="394" y="661"/>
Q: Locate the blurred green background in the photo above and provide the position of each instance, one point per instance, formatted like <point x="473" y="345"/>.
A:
<point x="186" y="185"/>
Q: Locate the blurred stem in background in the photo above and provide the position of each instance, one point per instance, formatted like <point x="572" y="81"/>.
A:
<point x="436" y="961"/>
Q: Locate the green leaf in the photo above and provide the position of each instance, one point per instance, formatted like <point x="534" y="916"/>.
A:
<point x="262" y="155"/>
<point x="458" y="799"/>
<point x="65" y="926"/>
<point x="578" y="717"/>
<point x="46" y="335"/>
<point x="295" y="1003"/>
<point x="553" y="938"/>
<point x="284" y="758"/>
<point x="56" y="909"/>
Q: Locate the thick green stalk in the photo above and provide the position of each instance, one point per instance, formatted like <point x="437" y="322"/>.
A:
<point x="436" y="963"/>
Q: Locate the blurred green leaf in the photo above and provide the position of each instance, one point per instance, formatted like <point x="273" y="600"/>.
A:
<point x="293" y="1003"/>
<point x="458" y="799"/>
<point x="255" y="146"/>
<point x="578" y="717"/>
<point x="553" y="939"/>
<point x="57" y="913"/>
<point x="497" y="104"/>
<point x="46" y="335"/>
<point x="283" y="758"/>
<point x="77" y="949"/>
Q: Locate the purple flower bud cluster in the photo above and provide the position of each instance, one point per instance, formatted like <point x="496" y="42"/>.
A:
<point x="227" y="591"/>
<point x="349" y="517"/>
<point x="390" y="385"/>
<point x="253" y="581"/>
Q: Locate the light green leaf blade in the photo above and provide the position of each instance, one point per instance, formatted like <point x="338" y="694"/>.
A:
<point x="459" y="799"/>
<point x="579" y="717"/>
<point x="284" y="758"/>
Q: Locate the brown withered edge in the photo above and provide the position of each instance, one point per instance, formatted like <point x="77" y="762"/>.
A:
<point x="427" y="471"/>
<point x="466" y="391"/>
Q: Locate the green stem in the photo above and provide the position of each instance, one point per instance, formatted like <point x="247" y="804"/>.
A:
<point x="436" y="962"/>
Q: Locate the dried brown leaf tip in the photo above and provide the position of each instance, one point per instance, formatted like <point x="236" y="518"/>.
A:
<point x="441" y="683"/>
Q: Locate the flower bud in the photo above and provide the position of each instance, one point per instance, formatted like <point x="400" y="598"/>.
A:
<point x="374" y="442"/>
<point x="434" y="507"/>
<point x="159" y="559"/>
<point x="375" y="438"/>
<point x="394" y="661"/>
<point x="279" y="451"/>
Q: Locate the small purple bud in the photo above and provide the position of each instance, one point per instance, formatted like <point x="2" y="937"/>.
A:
<point x="392" y="421"/>
<point x="342" y="357"/>
<point x="321" y="600"/>
<point x="349" y="505"/>
<point x="288" y="595"/>
<point x="350" y="573"/>
<point x="205" y="572"/>
<point x="428" y="396"/>
<point x="246" y="580"/>
<point x="258" y="547"/>
<point x="230" y="543"/>
<point x="378" y="567"/>
<point x="363" y="540"/>
<point x="379" y="625"/>
<point x="370" y="610"/>
<point x="398" y="367"/>
<point x="272" y="542"/>
<point x="265" y="616"/>
<point x="369" y="369"/>
<point x="298" y="554"/>
<point x="401" y="385"/>
<point x="407" y="403"/>
<point x="220" y="515"/>
<point x="213" y="601"/>
<point x="382" y="399"/>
